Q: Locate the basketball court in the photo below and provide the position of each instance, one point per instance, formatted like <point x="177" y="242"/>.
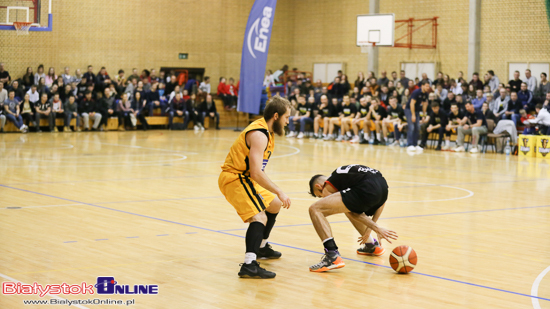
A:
<point x="479" y="224"/>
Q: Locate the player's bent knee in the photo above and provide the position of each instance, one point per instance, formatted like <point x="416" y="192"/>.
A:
<point x="259" y="217"/>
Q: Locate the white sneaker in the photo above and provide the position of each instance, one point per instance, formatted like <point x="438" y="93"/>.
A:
<point x="474" y="150"/>
<point x="419" y="149"/>
<point x="196" y="128"/>
<point x="445" y="148"/>
<point x="201" y="126"/>
<point x="291" y="134"/>
<point x="459" y="149"/>
<point x="301" y="135"/>
<point x="395" y="143"/>
<point x="411" y="148"/>
<point x="314" y="136"/>
<point x="340" y="138"/>
<point x="355" y="139"/>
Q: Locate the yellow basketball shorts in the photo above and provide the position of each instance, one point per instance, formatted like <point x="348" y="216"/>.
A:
<point x="244" y="194"/>
<point x="370" y="123"/>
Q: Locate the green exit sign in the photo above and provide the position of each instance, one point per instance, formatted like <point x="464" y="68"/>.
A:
<point x="183" y="56"/>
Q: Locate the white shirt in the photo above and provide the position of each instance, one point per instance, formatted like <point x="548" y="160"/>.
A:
<point x="3" y="95"/>
<point x="33" y="97"/>
<point x="542" y="118"/>
<point x="457" y="90"/>
<point x="531" y="83"/>
<point x="205" y="87"/>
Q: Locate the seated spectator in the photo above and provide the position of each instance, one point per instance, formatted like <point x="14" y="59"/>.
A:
<point x="455" y="119"/>
<point x="373" y="122"/>
<point x="108" y="108"/>
<point x="525" y="96"/>
<point x="19" y="90"/>
<point x="525" y="117"/>
<point x="465" y="92"/>
<point x="405" y="97"/>
<point x="125" y="113"/>
<point x="403" y="79"/>
<point x="449" y="100"/>
<point x="27" y="110"/>
<point x="50" y="77"/>
<point x="500" y="105"/>
<point x="476" y="125"/>
<point x="192" y="108"/>
<point x="374" y="88"/>
<point x="440" y="92"/>
<point x="395" y="115"/>
<point x="515" y="84"/>
<point x="424" y="79"/>
<point x="11" y="109"/>
<point x="162" y="93"/>
<point x="82" y="87"/>
<point x="89" y="109"/>
<point x="3" y="93"/>
<point x="493" y="80"/>
<point x="39" y="74"/>
<point x="546" y="103"/>
<point x="360" y="119"/>
<point x="347" y="113"/>
<point x="174" y="92"/>
<point x="478" y="100"/>
<point x="412" y="86"/>
<point x="224" y="94"/>
<point x="530" y="80"/>
<point x="455" y="88"/>
<point x="232" y="92"/>
<point x="71" y="111"/>
<point x="185" y="95"/>
<point x="2" y="117"/>
<point x="432" y="97"/>
<point x="400" y="90"/>
<point x="90" y="76"/>
<point x="67" y="78"/>
<point x="139" y="105"/>
<point x="120" y="81"/>
<point x="384" y="97"/>
<point x="325" y="111"/>
<point x="171" y="84"/>
<point x="4" y="75"/>
<point x="544" y="87"/>
<point x="154" y="101"/>
<point x="77" y="77"/>
<point x="383" y="80"/>
<point x="177" y="109"/>
<point x="28" y="79"/>
<point x="303" y="115"/>
<point x="542" y="121"/>
<point x="514" y="105"/>
<point x="43" y="109"/>
<point x="208" y="108"/>
<point x="65" y="93"/>
<point x="436" y="123"/>
<point x="476" y="82"/>
<point x="488" y="113"/>
<point x="134" y="75"/>
<point x="102" y="80"/>
<point x="53" y="90"/>
<point x="57" y="109"/>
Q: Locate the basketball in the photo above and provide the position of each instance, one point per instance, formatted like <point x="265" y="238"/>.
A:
<point x="403" y="259"/>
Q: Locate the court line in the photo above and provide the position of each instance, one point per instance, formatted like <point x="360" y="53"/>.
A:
<point x="535" y="288"/>
<point x="52" y="296"/>
<point x="297" y="151"/>
<point x="141" y="147"/>
<point x="22" y="207"/>
<point x="296" y="248"/>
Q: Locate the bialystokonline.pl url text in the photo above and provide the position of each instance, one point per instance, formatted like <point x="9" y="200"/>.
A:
<point x="89" y="302"/>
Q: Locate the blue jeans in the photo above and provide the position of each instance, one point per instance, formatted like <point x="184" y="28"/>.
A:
<point x="303" y="122"/>
<point x="216" y="117"/>
<point x="413" y="129"/>
<point x="173" y="114"/>
<point x="17" y="121"/>
<point x="152" y="107"/>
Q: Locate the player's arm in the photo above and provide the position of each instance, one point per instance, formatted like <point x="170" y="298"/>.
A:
<point x="380" y="231"/>
<point x="257" y="142"/>
<point x="413" y="111"/>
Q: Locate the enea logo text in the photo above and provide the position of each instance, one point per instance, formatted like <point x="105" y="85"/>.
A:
<point x="544" y="150"/>
<point x="104" y="286"/>
<point x="260" y="40"/>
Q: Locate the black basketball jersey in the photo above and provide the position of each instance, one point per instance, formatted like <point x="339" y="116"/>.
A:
<point x="347" y="176"/>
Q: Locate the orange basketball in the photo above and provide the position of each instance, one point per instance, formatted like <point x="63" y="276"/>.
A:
<point x="403" y="259"/>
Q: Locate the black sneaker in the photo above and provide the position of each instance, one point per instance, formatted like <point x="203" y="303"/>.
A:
<point x="371" y="249"/>
<point x="253" y="270"/>
<point x="438" y="148"/>
<point x="364" y="142"/>
<point x="268" y="252"/>
<point x="376" y="142"/>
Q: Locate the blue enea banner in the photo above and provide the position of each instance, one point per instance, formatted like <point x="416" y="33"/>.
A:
<point x="254" y="57"/>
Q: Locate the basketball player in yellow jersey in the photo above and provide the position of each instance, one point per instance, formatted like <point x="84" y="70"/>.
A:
<point x="255" y="197"/>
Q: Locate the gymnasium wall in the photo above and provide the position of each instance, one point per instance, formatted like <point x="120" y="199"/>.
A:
<point x="146" y="34"/>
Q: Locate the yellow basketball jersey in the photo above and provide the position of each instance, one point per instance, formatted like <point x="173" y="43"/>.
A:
<point x="237" y="160"/>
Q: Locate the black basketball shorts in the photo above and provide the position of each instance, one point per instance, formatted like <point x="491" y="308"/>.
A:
<point x="366" y="196"/>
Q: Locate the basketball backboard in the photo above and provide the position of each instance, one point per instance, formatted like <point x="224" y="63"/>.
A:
<point x="37" y="12"/>
<point x="375" y="28"/>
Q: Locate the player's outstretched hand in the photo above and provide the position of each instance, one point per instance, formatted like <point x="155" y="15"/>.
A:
<point x="382" y="234"/>
<point x="284" y="199"/>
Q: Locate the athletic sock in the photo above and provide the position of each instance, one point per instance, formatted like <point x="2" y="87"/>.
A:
<point x="253" y="238"/>
<point x="370" y="240"/>
<point x="348" y="133"/>
<point x="249" y="257"/>
<point x="269" y="224"/>
<point x="447" y="143"/>
<point x="264" y="242"/>
<point x="378" y="136"/>
<point x="330" y="245"/>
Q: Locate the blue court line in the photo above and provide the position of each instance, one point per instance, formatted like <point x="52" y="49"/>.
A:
<point x="66" y="242"/>
<point x="287" y="246"/>
<point x="412" y="216"/>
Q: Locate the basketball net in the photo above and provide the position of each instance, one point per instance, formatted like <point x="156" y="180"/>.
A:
<point x="22" y="28"/>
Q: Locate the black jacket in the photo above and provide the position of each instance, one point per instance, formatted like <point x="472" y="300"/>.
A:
<point x="204" y="107"/>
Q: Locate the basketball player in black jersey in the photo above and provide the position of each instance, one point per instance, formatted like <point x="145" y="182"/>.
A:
<point x="358" y="191"/>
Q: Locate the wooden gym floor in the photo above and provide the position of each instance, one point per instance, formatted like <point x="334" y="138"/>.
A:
<point x="145" y="208"/>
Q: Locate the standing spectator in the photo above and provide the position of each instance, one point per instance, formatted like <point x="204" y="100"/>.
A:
<point x="57" y="110"/>
<point x="303" y="115"/>
<point x="71" y="111"/>
<point x="544" y="87"/>
<point x="153" y="99"/>
<point x="87" y="108"/>
<point x="525" y="96"/>
<point x="34" y="96"/>
<point x="530" y="80"/>
<point x="412" y="112"/>
<point x="208" y="108"/>
<point x="476" y="126"/>
<point x="476" y="82"/>
<point x="90" y="76"/>
<point x="500" y="105"/>
<point x="404" y="80"/>
<point x="515" y="84"/>
<point x="50" y="77"/>
<point x="205" y="85"/>
<point x="26" y="107"/>
<point x="28" y="78"/>
<point x="437" y="123"/>
<point x="125" y="112"/>
<point x="383" y="80"/>
<point x="139" y="103"/>
<point x="39" y="74"/>
<point x="11" y="109"/>
<point x="479" y="99"/>
<point x="4" y="75"/>
<point x="43" y="109"/>
<point x="232" y="92"/>
<point x="493" y="80"/>
<point x="514" y="105"/>
<point x="67" y="78"/>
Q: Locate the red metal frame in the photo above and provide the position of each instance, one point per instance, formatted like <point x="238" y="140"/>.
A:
<point x="410" y="30"/>
<point x="34" y="8"/>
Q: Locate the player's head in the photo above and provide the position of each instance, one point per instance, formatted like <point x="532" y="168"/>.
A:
<point x="425" y="85"/>
<point x="278" y="109"/>
<point x="316" y="185"/>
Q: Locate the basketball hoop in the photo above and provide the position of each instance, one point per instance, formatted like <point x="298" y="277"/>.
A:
<point x="22" y="28"/>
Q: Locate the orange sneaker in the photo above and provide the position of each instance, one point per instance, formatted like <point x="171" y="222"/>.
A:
<point x="331" y="260"/>
<point x="371" y="249"/>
